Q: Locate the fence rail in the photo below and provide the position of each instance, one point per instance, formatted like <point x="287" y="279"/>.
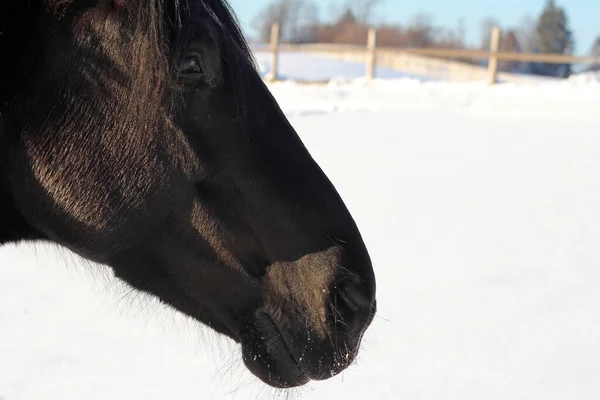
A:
<point x="372" y="55"/>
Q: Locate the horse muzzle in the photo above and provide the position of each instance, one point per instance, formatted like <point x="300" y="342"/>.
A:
<point x="288" y="352"/>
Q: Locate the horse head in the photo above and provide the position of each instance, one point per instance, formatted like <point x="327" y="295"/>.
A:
<point x="139" y="134"/>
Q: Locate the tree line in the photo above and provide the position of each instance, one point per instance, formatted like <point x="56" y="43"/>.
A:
<point x="300" y="23"/>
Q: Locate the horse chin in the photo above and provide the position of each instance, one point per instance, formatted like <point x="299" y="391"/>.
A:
<point x="267" y="355"/>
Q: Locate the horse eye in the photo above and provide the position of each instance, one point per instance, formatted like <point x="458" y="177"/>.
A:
<point x="190" y="65"/>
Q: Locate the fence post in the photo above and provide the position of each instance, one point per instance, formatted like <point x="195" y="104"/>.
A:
<point x="493" y="60"/>
<point x="371" y="53"/>
<point x="274" y="52"/>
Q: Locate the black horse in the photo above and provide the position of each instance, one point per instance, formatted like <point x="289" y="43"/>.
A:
<point x="138" y="134"/>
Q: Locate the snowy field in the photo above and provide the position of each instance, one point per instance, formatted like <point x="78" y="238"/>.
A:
<point x="306" y="67"/>
<point x="481" y="210"/>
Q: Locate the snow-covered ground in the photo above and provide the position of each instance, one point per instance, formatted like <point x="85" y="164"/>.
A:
<point x="543" y="101"/>
<point x="586" y="77"/>
<point x="305" y="67"/>
<point x="481" y="210"/>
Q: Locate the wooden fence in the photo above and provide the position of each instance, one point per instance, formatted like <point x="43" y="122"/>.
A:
<point x="402" y="58"/>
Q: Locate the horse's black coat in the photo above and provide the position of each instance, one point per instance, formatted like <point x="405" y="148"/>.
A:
<point x="138" y="134"/>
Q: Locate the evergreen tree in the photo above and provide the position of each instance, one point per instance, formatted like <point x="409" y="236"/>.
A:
<point x="596" y="53"/>
<point x="347" y="18"/>
<point x="596" y="48"/>
<point x="509" y="43"/>
<point x="552" y="35"/>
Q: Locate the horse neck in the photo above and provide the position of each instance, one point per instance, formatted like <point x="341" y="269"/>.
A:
<point x="13" y="227"/>
<point x="5" y="207"/>
<point x="5" y="195"/>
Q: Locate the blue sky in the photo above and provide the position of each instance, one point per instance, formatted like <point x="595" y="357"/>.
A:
<point x="584" y="15"/>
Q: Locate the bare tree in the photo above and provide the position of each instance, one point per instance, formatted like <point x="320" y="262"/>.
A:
<point x="421" y="32"/>
<point x="461" y="32"/>
<point x="292" y="15"/>
<point x="310" y="18"/>
<point x="363" y="10"/>
<point x="486" y="32"/>
<point x="526" y="33"/>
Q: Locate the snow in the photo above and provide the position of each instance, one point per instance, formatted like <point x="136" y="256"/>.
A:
<point x="480" y="208"/>
<point x="586" y="77"/>
<point x="306" y="67"/>
<point x="543" y="100"/>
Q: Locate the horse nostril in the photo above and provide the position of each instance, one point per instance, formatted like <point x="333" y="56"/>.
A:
<point x="350" y="306"/>
<point x="354" y="296"/>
